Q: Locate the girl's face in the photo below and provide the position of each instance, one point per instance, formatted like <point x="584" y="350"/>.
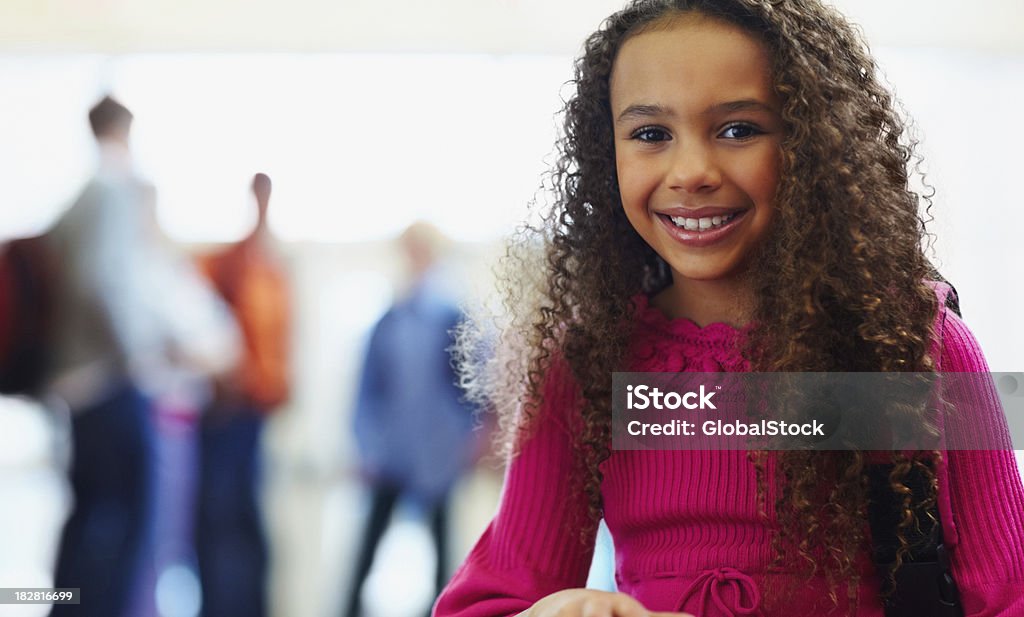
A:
<point x="697" y="135"/>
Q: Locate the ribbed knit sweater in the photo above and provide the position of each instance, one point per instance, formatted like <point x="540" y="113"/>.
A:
<point x="688" y="532"/>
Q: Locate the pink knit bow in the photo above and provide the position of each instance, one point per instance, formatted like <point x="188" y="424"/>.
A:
<point x="710" y="583"/>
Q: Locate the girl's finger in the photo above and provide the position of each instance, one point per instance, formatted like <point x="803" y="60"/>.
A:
<point x="598" y="607"/>
<point x="626" y="606"/>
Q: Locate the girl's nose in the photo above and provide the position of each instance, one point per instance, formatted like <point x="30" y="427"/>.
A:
<point x="694" y="169"/>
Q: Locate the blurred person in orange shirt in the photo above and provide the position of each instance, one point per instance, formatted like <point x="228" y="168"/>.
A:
<point x="230" y="542"/>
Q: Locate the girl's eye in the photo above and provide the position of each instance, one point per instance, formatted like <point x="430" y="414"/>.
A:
<point x="739" y="131"/>
<point x="650" y="134"/>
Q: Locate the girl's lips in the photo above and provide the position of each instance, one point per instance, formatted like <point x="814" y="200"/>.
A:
<point x="696" y="213"/>
<point x="700" y="238"/>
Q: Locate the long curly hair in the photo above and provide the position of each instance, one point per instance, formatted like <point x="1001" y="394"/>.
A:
<point x="840" y="284"/>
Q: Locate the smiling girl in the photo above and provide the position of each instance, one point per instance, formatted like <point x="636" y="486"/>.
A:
<point x="732" y="195"/>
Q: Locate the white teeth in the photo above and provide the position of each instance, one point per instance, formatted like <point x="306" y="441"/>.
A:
<point x="703" y="223"/>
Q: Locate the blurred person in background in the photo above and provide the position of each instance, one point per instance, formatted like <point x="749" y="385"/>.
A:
<point x="413" y="428"/>
<point x="208" y="345"/>
<point x="113" y="340"/>
<point x="230" y="539"/>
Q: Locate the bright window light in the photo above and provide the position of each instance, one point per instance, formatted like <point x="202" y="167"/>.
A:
<point x="358" y="146"/>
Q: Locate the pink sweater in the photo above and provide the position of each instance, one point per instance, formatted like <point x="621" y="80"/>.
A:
<point x="686" y="528"/>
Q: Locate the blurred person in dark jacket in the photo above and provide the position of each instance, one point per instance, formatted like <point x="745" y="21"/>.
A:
<point x="413" y="429"/>
<point x="230" y="539"/>
<point x="113" y="340"/>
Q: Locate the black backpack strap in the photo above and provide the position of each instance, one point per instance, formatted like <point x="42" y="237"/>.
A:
<point x="924" y="581"/>
<point x="952" y="298"/>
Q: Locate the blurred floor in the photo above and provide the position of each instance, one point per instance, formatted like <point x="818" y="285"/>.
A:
<point x="35" y="496"/>
<point x="314" y="519"/>
<point x="313" y="516"/>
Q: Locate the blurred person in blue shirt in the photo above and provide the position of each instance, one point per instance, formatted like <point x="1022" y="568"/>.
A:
<point x="414" y="431"/>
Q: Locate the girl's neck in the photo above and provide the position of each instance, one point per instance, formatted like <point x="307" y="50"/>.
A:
<point x="705" y="302"/>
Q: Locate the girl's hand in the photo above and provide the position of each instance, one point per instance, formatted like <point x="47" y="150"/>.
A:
<point x="590" y="603"/>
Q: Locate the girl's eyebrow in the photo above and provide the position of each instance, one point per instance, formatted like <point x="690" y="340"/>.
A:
<point x="643" y="111"/>
<point x="740" y="105"/>
<point x="647" y="111"/>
